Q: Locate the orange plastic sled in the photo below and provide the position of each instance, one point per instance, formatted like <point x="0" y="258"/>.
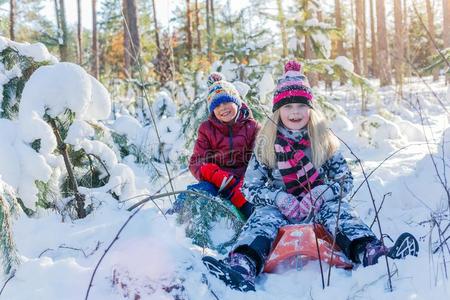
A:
<point x="295" y="245"/>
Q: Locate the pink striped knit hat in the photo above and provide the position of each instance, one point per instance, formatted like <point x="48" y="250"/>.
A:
<point x="292" y="87"/>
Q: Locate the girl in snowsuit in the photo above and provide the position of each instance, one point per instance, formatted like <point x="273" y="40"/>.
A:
<point x="297" y="175"/>
<point x="224" y="146"/>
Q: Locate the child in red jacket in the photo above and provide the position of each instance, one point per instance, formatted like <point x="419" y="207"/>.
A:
<point x="224" y="145"/>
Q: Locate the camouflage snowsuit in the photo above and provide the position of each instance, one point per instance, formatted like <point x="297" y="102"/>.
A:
<point x="263" y="185"/>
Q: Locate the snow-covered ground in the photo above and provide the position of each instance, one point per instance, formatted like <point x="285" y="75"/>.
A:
<point x="153" y="259"/>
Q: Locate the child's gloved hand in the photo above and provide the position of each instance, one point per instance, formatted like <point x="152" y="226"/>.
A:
<point x="214" y="174"/>
<point x="238" y="200"/>
<point x="290" y="207"/>
<point x="311" y="202"/>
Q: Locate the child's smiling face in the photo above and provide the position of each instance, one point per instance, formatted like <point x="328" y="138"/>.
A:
<point x="294" y="116"/>
<point x="226" y="112"/>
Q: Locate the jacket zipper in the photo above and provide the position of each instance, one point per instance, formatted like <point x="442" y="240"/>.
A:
<point x="230" y="130"/>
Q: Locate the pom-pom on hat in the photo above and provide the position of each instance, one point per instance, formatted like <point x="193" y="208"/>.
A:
<point x="292" y="87"/>
<point x="221" y="91"/>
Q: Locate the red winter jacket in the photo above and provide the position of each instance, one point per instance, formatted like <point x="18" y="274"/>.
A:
<point x="228" y="146"/>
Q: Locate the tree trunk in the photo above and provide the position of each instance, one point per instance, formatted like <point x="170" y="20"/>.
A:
<point x="432" y="31"/>
<point x="12" y="19"/>
<point x="188" y="28"/>
<point x="398" y="44"/>
<point x="62" y="147"/>
<point x="365" y="57"/>
<point x="340" y="40"/>
<point x="446" y="32"/>
<point x="357" y="62"/>
<point x="309" y="51"/>
<point x="95" y="60"/>
<point x="79" y="35"/>
<point x="213" y="18"/>
<point x="282" y="21"/>
<point x="197" y="28"/>
<point x="373" y="41"/>
<point x="208" y="31"/>
<point x="383" y="50"/>
<point x="131" y="36"/>
<point x="155" y="21"/>
<point x="406" y="67"/>
<point x="62" y="28"/>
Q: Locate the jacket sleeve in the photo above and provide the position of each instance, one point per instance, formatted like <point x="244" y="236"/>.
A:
<point x="251" y="141"/>
<point x="338" y="177"/>
<point x="201" y="151"/>
<point x="257" y="188"/>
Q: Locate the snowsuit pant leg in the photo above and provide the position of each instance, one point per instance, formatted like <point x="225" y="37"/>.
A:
<point x="352" y="230"/>
<point x="258" y="234"/>
<point x="203" y="186"/>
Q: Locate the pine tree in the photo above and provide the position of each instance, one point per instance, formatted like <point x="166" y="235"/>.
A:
<point x="398" y="45"/>
<point x="79" y="34"/>
<point x="199" y="215"/>
<point x="383" y="50"/>
<point x="11" y="91"/>
<point x="95" y="52"/>
<point x="63" y="35"/>
<point x="12" y="19"/>
<point x="282" y="21"/>
<point x="110" y="39"/>
<point x="8" y="207"/>
<point x="359" y="39"/>
<point x="132" y="44"/>
<point x="373" y="41"/>
<point x="188" y="29"/>
<point x="432" y="38"/>
<point x="445" y="31"/>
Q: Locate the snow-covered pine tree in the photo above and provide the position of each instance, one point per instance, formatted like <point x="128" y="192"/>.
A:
<point x="439" y="62"/>
<point x="55" y="142"/>
<point x="199" y="215"/>
<point x="141" y="144"/>
<point x="8" y="206"/>
<point x="304" y="21"/>
<point x="15" y="69"/>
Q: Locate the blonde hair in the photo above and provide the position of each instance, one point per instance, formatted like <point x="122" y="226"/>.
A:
<point x="323" y="142"/>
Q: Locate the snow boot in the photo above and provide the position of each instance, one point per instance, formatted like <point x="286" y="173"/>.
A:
<point x="237" y="271"/>
<point x="406" y="244"/>
<point x="373" y="251"/>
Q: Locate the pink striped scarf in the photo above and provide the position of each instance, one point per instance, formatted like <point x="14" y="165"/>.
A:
<point x="298" y="172"/>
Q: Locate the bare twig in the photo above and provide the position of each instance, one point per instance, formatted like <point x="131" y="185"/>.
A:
<point x="441" y="247"/>
<point x="7" y="280"/>
<point x="380" y="164"/>
<point x="379" y="208"/>
<point x="48" y="249"/>
<point x="429" y="35"/>
<point x="144" y="91"/>
<point x="336" y="230"/>
<point x="63" y="246"/>
<point x="139" y="206"/>
<point x="314" y="224"/>
<point x="373" y="203"/>
<point x="370" y="284"/>
<point x="416" y="71"/>
<point x="154" y="197"/>
<point x="441" y="180"/>
<point x="101" y="162"/>
<point x="417" y="198"/>
<point x="107" y="250"/>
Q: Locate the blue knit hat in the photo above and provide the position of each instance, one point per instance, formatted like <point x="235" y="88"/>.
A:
<point x="221" y="91"/>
